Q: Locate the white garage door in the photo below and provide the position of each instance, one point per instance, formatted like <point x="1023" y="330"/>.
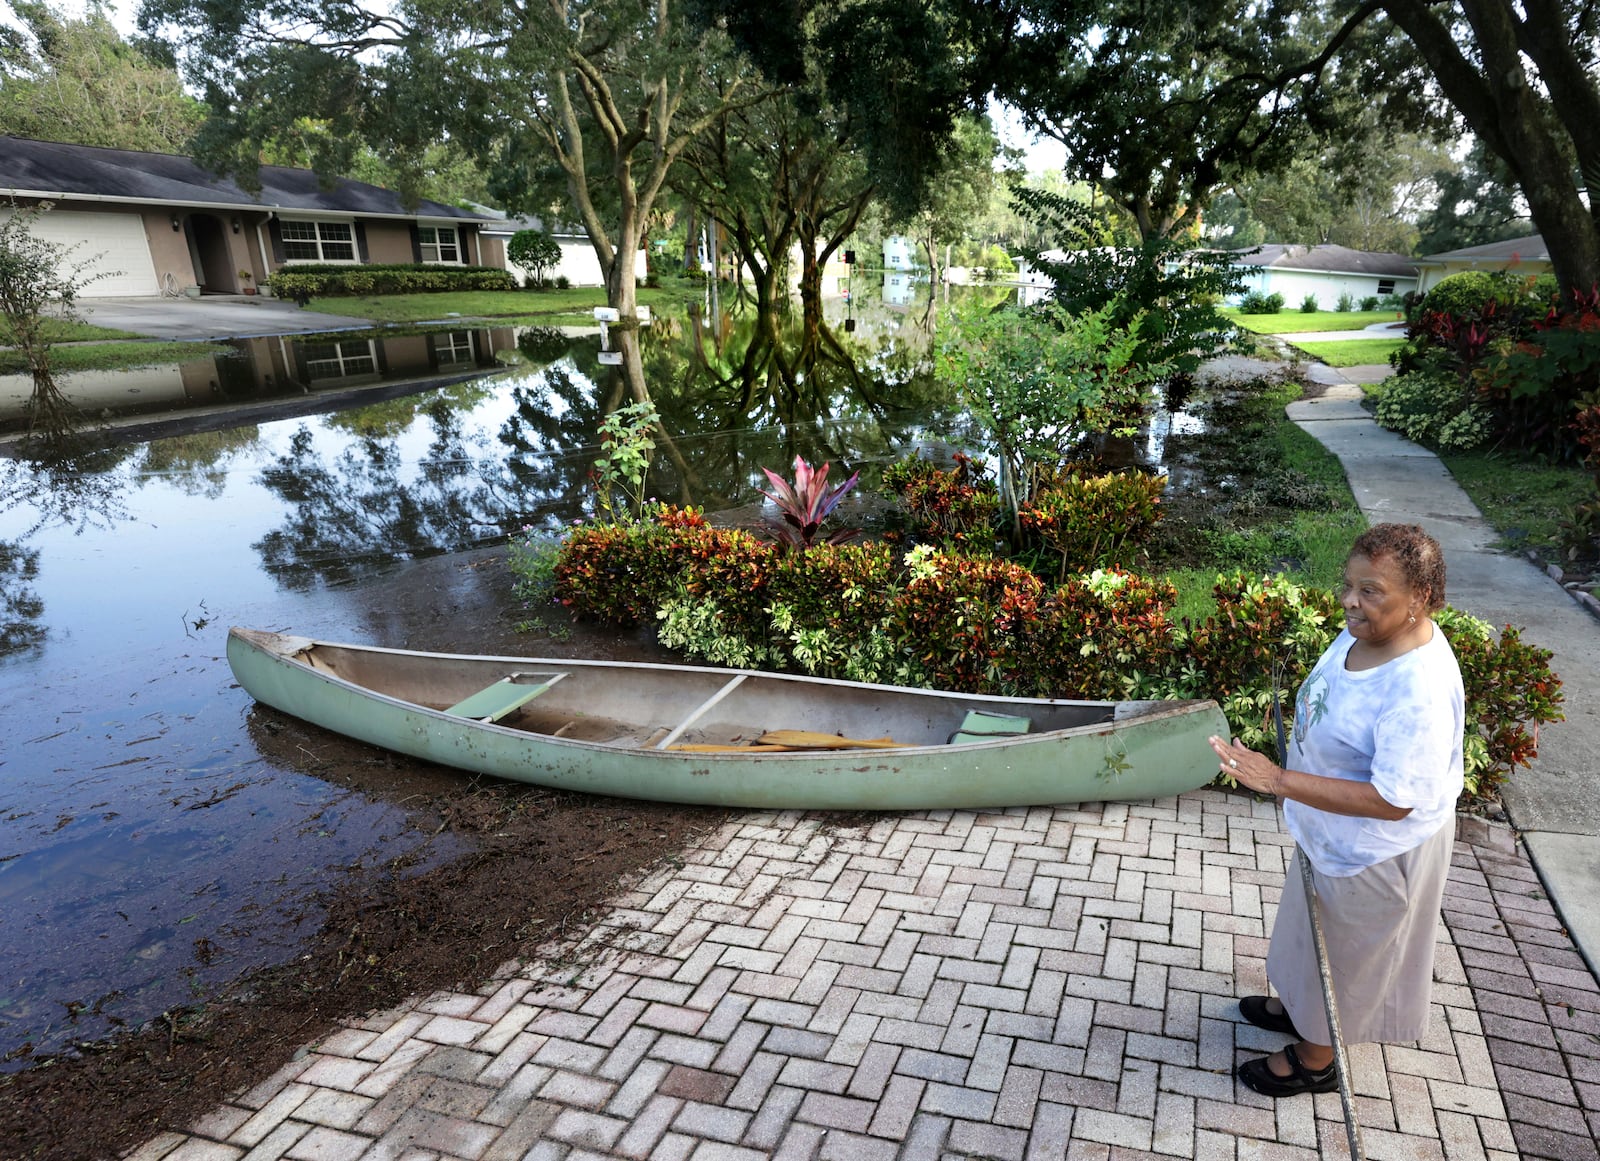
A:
<point x="107" y="242"/>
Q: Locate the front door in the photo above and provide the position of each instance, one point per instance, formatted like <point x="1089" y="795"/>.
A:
<point x="216" y="267"/>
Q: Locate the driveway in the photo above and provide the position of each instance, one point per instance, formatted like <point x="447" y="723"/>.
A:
<point x="211" y="317"/>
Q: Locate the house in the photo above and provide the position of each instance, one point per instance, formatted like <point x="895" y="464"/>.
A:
<point x="158" y="222"/>
<point x="579" y="264"/>
<point x="1525" y="255"/>
<point x="1326" y="271"/>
<point x="899" y="252"/>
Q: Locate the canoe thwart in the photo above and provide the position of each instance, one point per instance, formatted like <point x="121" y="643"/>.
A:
<point x="986" y="726"/>
<point x="700" y="711"/>
<point x="494" y="702"/>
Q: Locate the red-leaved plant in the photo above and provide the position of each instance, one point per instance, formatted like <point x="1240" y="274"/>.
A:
<point x="806" y="503"/>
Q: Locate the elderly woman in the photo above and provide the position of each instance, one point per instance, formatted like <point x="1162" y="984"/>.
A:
<point x="1374" y="770"/>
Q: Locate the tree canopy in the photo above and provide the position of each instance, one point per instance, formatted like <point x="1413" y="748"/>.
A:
<point x="1164" y="100"/>
<point x="64" y="78"/>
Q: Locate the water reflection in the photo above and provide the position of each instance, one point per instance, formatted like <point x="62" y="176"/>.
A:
<point x="151" y="844"/>
<point x="259" y="371"/>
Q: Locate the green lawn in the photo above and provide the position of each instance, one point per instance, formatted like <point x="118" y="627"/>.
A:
<point x="507" y="305"/>
<point x="114" y="356"/>
<point x="1524" y="500"/>
<point x="1292" y="321"/>
<point x="1352" y="352"/>
<point x="58" y="330"/>
<point x="1269" y="455"/>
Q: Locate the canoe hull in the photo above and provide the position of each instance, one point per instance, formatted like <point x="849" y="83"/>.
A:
<point x="1150" y="755"/>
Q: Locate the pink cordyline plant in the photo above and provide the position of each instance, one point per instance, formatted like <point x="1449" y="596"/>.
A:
<point x="806" y="503"/>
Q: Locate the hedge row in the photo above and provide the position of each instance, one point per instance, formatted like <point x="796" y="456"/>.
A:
<point x="329" y="281"/>
<point x="951" y="621"/>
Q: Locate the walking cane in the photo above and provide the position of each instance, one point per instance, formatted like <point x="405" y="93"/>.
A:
<point x="1341" y="1060"/>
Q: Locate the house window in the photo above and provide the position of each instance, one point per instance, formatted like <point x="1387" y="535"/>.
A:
<point x="1385" y="286"/>
<point x="454" y="349"/>
<point x="318" y="242"/>
<point x="439" y="244"/>
<point x="347" y="360"/>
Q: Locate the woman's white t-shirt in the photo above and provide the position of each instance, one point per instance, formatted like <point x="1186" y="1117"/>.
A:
<point x="1397" y="726"/>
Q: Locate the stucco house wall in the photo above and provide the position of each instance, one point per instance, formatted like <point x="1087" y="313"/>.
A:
<point x="1294" y="285"/>
<point x="1325" y="271"/>
<point x="1527" y="255"/>
<point x="579" y="264"/>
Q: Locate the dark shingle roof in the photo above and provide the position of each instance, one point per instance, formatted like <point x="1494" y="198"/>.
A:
<point x="1529" y="249"/>
<point x="80" y="172"/>
<point x="1330" y="259"/>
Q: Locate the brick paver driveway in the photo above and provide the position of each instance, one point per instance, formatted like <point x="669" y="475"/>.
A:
<point x="1044" y="983"/>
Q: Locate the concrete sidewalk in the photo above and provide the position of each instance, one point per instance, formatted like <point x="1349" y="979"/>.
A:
<point x="1055" y="982"/>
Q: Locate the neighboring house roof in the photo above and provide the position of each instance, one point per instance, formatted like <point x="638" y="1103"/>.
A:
<point x="1329" y="259"/>
<point x="497" y="224"/>
<point x="1528" y="249"/>
<point x="52" y="169"/>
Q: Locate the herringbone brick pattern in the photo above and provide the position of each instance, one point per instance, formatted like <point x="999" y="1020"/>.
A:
<point x="1044" y="983"/>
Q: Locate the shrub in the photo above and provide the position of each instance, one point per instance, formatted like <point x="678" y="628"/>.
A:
<point x="1038" y="381"/>
<point x="622" y="574"/>
<point x="1163" y="280"/>
<point x="1257" y="303"/>
<point x="563" y="282"/>
<point x="806" y="503"/>
<point x="1104" y="636"/>
<point x="39" y="282"/>
<point x="319" y="281"/>
<point x="961" y="616"/>
<point x="1510" y="691"/>
<point x="1091" y="521"/>
<point x="1309" y="304"/>
<point x="1370" y="302"/>
<point x="1466" y="294"/>
<point x="1346" y="303"/>
<point x="1433" y="408"/>
<point x="534" y="250"/>
<point x="956" y="507"/>
<point x="1265" y="628"/>
<point x="956" y="622"/>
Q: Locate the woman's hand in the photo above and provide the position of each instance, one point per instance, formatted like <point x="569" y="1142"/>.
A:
<point x="1256" y="771"/>
<point x="1334" y="795"/>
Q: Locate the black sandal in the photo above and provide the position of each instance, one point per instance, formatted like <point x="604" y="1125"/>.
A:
<point x="1258" y="1076"/>
<point x="1255" y="1010"/>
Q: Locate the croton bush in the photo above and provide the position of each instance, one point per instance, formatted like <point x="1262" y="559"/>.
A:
<point x="1081" y="518"/>
<point x="948" y="620"/>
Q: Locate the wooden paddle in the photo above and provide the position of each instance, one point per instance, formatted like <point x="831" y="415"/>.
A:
<point x="740" y="747"/>
<point x="813" y="740"/>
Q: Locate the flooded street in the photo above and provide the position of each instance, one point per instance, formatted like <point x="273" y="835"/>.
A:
<point x="157" y="838"/>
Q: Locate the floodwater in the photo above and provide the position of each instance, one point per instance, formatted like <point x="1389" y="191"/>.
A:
<point x="154" y="843"/>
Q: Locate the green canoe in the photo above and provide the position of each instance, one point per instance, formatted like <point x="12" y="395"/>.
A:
<point x="724" y="737"/>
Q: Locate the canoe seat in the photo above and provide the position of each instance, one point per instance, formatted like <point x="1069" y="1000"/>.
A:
<point x="496" y="701"/>
<point x="984" y="726"/>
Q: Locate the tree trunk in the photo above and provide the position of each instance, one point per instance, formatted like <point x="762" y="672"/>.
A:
<point x="1503" y="109"/>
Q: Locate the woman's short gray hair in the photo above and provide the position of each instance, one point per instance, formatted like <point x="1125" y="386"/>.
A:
<point x="1419" y="556"/>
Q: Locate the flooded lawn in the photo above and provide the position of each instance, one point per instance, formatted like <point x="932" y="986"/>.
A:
<point x="158" y="834"/>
